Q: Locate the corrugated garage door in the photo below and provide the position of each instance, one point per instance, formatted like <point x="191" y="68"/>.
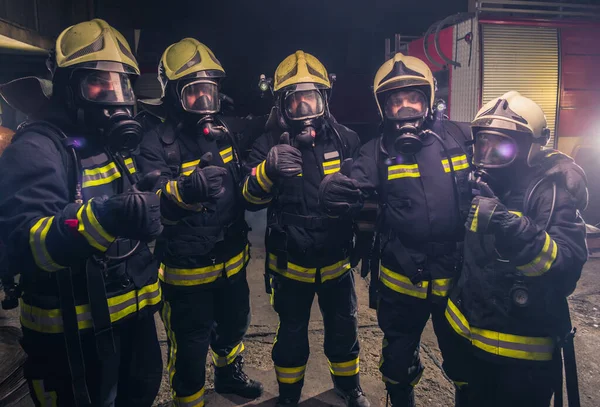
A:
<point x="524" y="59"/>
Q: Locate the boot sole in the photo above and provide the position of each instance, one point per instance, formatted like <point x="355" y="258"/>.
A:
<point x="341" y="395"/>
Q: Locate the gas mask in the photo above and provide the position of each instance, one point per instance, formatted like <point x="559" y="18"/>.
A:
<point x="498" y="155"/>
<point x="199" y="100"/>
<point x="104" y="102"/>
<point x="405" y="112"/>
<point x="303" y="109"/>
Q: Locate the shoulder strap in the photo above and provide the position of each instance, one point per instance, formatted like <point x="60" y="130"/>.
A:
<point x="65" y="147"/>
<point x="168" y="137"/>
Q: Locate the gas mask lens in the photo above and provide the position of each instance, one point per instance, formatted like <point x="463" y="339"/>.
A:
<point x="405" y="105"/>
<point x="200" y="97"/>
<point x="494" y="149"/>
<point x="107" y="88"/>
<point x="304" y="104"/>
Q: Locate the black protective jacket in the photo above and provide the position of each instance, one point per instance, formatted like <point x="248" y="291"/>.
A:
<point x="200" y="243"/>
<point x="423" y="201"/>
<point x="538" y="266"/>
<point x="302" y="242"/>
<point x="47" y="232"/>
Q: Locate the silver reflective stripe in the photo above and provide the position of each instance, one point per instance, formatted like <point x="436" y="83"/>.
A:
<point x="120" y="307"/>
<point x="194" y="403"/>
<point x="290" y="375"/>
<point x="327" y="273"/>
<point x="458" y="322"/>
<point x="172" y="276"/>
<point x="90" y="229"/>
<point x="345" y="369"/>
<point x="331" y="154"/>
<point x="514" y="346"/>
<point x="396" y="171"/>
<point x="149" y="295"/>
<point x="236" y="264"/>
<point x="38" y="246"/>
<point x="102" y="175"/>
<point x="226" y="154"/>
<point x="309" y="274"/>
<point x="410" y="287"/>
<point x="436" y="286"/>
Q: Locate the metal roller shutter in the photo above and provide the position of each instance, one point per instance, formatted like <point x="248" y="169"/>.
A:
<point x="465" y="89"/>
<point x="524" y="59"/>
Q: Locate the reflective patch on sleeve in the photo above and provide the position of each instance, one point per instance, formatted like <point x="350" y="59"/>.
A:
<point x="261" y="177"/>
<point x="91" y="229"/>
<point x="226" y="154"/>
<point x="37" y="242"/>
<point x="543" y="261"/>
<point x="459" y="162"/>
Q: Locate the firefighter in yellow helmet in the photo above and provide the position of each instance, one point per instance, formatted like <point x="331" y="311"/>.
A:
<point x="204" y="249"/>
<point x="308" y="252"/>
<point x="524" y="251"/>
<point x="77" y="219"/>
<point x="419" y="168"/>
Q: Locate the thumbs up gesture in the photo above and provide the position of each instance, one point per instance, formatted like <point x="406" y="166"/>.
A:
<point x="283" y="160"/>
<point x="205" y="183"/>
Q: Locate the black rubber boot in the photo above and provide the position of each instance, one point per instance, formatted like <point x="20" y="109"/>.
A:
<point x="354" y="397"/>
<point x="461" y="396"/>
<point x="401" y="396"/>
<point x="231" y="379"/>
<point x="289" y="394"/>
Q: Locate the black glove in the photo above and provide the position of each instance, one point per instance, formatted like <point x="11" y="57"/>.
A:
<point x="573" y="177"/>
<point x="134" y="214"/>
<point x="340" y="195"/>
<point x="204" y="184"/>
<point x="488" y="215"/>
<point x="283" y="160"/>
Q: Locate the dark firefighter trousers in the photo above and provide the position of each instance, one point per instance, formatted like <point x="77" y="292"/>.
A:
<point x="218" y="316"/>
<point x="292" y="300"/>
<point x="129" y="377"/>
<point x="402" y="319"/>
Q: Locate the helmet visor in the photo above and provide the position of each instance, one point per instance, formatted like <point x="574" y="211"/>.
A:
<point x="405" y="105"/>
<point x="201" y="96"/>
<point x="494" y="150"/>
<point x="304" y="104"/>
<point x="107" y="88"/>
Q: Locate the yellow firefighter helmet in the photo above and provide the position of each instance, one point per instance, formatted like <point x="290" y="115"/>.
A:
<point x="403" y="71"/>
<point x="298" y="68"/>
<point x="91" y="44"/>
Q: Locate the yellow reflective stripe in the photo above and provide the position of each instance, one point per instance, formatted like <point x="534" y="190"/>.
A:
<point x="457" y="320"/>
<point x="100" y="176"/>
<point x="460" y="384"/>
<point x="498" y="343"/>
<point x="335" y="270"/>
<point x="417" y="379"/>
<point x="172" y="192"/>
<point x="403" y="171"/>
<point x="251" y="198"/>
<point x="519" y="214"/>
<point x="329" y="167"/>
<point x="459" y="162"/>
<point x="204" y="275"/>
<point x="440" y="286"/>
<point x="188" y="167"/>
<point x="543" y="261"/>
<point x="263" y="180"/>
<point x="50" y="320"/>
<point x="222" y="361"/>
<point x="172" y="344"/>
<point x="350" y="368"/>
<point x="195" y="400"/>
<point x="402" y="284"/>
<point x="290" y="375"/>
<point x="293" y="271"/>
<point x="513" y="346"/>
<point x="37" y="243"/>
<point x="226" y="154"/>
<point x="44" y="398"/>
<point x="474" y="221"/>
<point x="130" y="165"/>
<point x="386" y="379"/>
<point x="91" y="229"/>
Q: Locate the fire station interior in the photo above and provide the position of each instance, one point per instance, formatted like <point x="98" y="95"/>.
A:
<point x="477" y="50"/>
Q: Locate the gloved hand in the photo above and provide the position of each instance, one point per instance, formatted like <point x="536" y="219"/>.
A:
<point x="488" y="215"/>
<point x="134" y="214"/>
<point x="205" y="183"/>
<point x="573" y="177"/>
<point x="340" y="195"/>
<point x="283" y="160"/>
